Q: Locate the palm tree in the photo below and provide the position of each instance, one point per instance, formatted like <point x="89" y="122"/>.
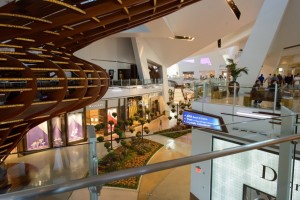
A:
<point x="234" y="70"/>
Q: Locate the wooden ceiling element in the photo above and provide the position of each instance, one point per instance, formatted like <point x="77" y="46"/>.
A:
<point x="68" y="24"/>
<point x="40" y="78"/>
<point x="15" y="26"/>
<point x="25" y="17"/>
<point x="66" y="6"/>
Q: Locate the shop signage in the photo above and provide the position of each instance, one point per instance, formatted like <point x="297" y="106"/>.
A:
<point x="269" y="174"/>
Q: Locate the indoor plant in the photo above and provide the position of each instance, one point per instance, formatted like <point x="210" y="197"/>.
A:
<point x="234" y="71"/>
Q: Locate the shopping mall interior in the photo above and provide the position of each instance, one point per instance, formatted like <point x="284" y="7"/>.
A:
<point x="83" y="83"/>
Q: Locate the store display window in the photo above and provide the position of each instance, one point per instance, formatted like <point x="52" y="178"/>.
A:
<point x="75" y="129"/>
<point x="56" y="131"/>
<point x="37" y="137"/>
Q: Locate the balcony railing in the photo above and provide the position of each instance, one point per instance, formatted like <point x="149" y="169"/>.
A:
<point x="133" y="82"/>
<point x="57" y="181"/>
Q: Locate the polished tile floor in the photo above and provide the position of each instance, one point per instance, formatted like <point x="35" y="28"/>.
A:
<point x="71" y="163"/>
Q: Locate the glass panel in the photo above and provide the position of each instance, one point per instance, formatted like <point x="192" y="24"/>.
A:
<point x="47" y="167"/>
<point x="38" y="137"/>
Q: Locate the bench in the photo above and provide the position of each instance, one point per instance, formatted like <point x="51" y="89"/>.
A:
<point x="264" y="95"/>
<point x="218" y="94"/>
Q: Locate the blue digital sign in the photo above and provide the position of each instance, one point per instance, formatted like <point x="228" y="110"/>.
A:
<point x="203" y="120"/>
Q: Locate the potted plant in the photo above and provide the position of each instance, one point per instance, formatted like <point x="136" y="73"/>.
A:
<point x="235" y="72"/>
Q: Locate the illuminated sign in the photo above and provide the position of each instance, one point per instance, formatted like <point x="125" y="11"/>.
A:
<point x="204" y="120"/>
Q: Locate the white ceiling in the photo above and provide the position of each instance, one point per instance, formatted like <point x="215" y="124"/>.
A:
<point x="207" y="21"/>
<point x="210" y="20"/>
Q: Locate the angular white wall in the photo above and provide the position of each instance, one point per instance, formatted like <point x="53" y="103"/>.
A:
<point x="261" y="38"/>
<point x="142" y="53"/>
<point x="105" y="51"/>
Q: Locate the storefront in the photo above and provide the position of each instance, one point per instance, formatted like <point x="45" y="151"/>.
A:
<point x="156" y="103"/>
<point x="59" y="131"/>
<point x="134" y="104"/>
<point x="244" y="176"/>
<point x="102" y="112"/>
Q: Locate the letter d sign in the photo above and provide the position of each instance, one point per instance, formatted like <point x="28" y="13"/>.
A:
<point x="270" y="171"/>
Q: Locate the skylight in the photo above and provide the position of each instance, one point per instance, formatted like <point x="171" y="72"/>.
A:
<point x="205" y="61"/>
<point x="189" y="60"/>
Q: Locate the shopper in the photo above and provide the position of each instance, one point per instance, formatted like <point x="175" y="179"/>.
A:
<point x="255" y="89"/>
<point x="297" y="82"/>
<point x="269" y="79"/>
<point x="160" y="124"/>
<point x="261" y="78"/>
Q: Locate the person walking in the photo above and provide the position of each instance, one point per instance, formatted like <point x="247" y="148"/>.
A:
<point x="268" y="79"/>
<point x="297" y="85"/>
<point x="255" y="89"/>
<point x="160" y="124"/>
<point x="261" y="78"/>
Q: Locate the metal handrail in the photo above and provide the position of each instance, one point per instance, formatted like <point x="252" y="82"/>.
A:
<point x="105" y="178"/>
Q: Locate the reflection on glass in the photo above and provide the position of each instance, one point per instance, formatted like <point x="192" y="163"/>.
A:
<point x="56" y="128"/>
<point x="75" y="131"/>
<point x="251" y="193"/>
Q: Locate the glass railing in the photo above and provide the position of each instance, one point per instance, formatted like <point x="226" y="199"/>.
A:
<point x="12" y="84"/>
<point x="247" y="96"/>
<point x="63" y="171"/>
<point x="134" y="82"/>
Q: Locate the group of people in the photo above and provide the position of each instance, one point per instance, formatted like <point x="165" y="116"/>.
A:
<point x="272" y="81"/>
<point x="290" y="81"/>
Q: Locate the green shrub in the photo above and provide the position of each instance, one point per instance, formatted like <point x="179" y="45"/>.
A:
<point x="114" y="114"/>
<point x="131" y="129"/>
<point x="100" y="139"/>
<point x="99" y="127"/>
<point x="147" y="131"/>
<point x="138" y="134"/>
<point x="107" y="145"/>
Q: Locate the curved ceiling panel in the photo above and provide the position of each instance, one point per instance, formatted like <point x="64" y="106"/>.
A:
<point x="39" y="76"/>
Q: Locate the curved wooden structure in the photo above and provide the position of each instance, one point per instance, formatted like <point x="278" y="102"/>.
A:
<point x="39" y="76"/>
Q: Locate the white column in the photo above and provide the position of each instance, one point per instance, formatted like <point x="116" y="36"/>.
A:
<point x="261" y="38"/>
<point x="140" y="58"/>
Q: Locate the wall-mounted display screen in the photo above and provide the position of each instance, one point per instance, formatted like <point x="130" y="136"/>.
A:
<point x="204" y="120"/>
<point x="37" y="137"/>
<point x="56" y="131"/>
<point x="75" y="131"/>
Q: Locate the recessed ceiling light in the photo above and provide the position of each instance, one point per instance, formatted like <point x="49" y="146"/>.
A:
<point x="234" y="8"/>
<point x="181" y="37"/>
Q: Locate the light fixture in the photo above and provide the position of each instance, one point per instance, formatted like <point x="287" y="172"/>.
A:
<point x="219" y="43"/>
<point x="261" y="116"/>
<point x="181" y="37"/>
<point x="116" y="90"/>
<point x="234" y="8"/>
